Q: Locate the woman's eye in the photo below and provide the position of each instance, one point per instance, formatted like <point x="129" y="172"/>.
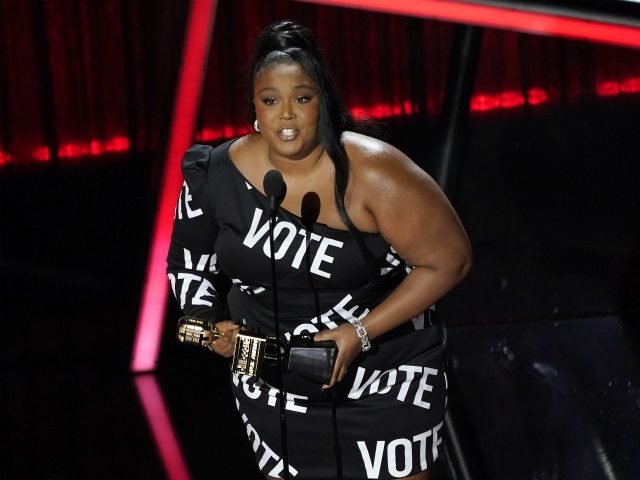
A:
<point x="303" y="99"/>
<point x="269" y="101"/>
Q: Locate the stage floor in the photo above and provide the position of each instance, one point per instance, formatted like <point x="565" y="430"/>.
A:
<point x="556" y="399"/>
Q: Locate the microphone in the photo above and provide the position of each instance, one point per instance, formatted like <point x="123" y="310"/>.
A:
<point x="274" y="188"/>
<point x="310" y="209"/>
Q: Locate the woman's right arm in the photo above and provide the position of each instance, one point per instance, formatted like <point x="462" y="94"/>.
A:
<point x="196" y="280"/>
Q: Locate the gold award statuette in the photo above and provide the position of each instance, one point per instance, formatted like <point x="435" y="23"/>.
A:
<point x="196" y="331"/>
<point x="249" y="354"/>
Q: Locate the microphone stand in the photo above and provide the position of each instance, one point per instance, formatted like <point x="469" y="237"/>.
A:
<point x="310" y="210"/>
<point x="273" y="208"/>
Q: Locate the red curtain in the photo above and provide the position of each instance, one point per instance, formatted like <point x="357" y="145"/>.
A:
<point x="81" y="78"/>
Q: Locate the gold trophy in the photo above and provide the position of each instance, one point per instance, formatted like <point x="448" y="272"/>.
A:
<point x="310" y="359"/>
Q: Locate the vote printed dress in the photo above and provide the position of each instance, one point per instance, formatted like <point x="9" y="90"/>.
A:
<point x="385" y="419"/>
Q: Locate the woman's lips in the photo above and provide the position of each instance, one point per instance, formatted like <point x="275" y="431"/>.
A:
<point x="288" y="134"/>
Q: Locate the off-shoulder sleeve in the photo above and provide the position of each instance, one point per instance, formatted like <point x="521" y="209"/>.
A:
<point x="196" y="280"/>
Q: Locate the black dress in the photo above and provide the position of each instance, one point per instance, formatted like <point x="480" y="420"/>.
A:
<point x="385" y="419"/>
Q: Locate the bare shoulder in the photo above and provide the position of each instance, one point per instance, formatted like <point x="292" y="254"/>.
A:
<point x="244" y="146"/>
<point x="365" y="151"/>
<point x="378" y="165"/>
<point x="405" y="203"/>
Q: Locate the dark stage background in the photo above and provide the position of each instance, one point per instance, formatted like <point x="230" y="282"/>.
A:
<point x="548" y="188"/>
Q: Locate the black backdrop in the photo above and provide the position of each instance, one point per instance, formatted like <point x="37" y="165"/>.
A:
<point x="547" y="191"/>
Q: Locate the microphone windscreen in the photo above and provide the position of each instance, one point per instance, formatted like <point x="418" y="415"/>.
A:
<point x="274" y="185"/>
<point x="310" y="209"/>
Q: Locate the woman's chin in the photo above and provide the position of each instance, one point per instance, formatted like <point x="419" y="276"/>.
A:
<point x="293" y="149"/>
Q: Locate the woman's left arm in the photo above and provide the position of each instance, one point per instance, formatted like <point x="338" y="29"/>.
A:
<point x="415" y="217"/>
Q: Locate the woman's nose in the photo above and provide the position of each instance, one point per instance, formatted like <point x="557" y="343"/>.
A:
<point x="287" y="111"/>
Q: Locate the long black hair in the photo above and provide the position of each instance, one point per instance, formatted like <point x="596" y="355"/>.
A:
<point x="288" y="42"/>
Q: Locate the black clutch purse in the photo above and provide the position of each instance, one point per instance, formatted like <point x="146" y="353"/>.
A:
<point x="310" y="359"/>
<point x="301" y="355"/>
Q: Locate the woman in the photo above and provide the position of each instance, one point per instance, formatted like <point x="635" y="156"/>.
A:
<point x="385" y="246"/>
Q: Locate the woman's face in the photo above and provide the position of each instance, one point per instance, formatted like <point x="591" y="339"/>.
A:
<point x="287" y="108"/>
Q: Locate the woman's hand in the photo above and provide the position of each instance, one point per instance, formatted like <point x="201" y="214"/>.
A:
<point x="226" y="344"/>
<point x="349" y="347"/>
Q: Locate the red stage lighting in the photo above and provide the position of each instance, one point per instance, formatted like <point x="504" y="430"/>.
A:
<point x="5" y="157"/>
<point x="187" y="101"/>
<point x="502" y="18"/>
<point x="159" y="421"/>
